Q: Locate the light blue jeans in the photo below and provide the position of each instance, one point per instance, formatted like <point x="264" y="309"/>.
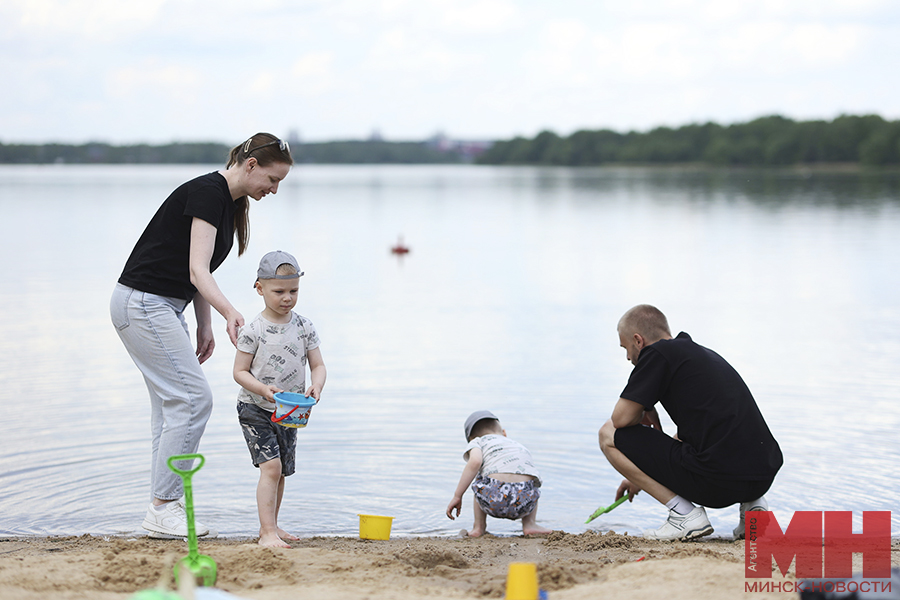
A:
<point x="156" y="336"/>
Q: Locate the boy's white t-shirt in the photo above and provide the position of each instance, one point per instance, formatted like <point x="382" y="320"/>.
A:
<point x="502" y="455"/>
<point x="279" y="354"/>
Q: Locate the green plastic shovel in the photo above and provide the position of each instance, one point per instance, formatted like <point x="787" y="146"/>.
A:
<point x="202" y="567"/>
<point x="606" y="509"/>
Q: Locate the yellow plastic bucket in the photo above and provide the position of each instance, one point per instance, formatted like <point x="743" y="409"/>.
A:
<point x="373" y="527"/>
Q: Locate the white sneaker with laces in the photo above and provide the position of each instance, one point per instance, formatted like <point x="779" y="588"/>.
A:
<point x="682" y="527"/>
<point x="759" y="504"/>
<point x="171" y="521"/>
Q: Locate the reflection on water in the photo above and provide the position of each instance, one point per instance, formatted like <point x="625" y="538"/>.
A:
<point x="508" y="301"/>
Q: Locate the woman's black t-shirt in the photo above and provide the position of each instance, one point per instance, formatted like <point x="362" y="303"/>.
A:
<point x="160" y="261"/>
<point x="723" y="431"/>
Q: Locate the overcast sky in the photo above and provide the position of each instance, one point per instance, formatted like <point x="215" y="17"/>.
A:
<point x="154" y="71"/>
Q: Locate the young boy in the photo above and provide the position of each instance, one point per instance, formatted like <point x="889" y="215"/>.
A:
<point x="273" y="351"/>
<point x="506" y="483"/>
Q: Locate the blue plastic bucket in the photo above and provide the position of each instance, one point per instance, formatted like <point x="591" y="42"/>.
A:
<point x="292" y="410"/>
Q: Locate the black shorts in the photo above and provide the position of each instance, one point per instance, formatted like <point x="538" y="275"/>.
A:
<point x="267" y="440"/>
<point x="662" y="458"/>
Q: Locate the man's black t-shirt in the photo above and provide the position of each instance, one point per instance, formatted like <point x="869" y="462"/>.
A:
<point x="160" y="261"/>
<point x="724" y="434"/>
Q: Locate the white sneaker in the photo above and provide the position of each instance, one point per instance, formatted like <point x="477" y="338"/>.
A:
<point x="759" y="504"/>
<point x="682" y="527"/>
<point x="171" y="521"/>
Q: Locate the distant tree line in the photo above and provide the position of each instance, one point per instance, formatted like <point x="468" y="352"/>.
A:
<point x="365" y="152"/>
<point x="767" y="141"/>
<point x="373" y="152"/>
<point x="99" y="153"/>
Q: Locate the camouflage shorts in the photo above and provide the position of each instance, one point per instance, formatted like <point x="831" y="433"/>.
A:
<point x="505" y="500"/>
<point x="267" y="440"/>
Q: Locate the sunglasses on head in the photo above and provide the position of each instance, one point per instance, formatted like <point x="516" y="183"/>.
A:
<point x="282" y="145"/>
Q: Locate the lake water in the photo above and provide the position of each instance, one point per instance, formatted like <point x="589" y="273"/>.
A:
<point x="508" y="301"/>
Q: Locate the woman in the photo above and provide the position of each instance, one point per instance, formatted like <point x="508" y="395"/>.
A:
<point x="171" y="266"/>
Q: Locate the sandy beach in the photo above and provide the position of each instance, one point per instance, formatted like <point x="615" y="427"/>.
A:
<point x="582" y="566"/>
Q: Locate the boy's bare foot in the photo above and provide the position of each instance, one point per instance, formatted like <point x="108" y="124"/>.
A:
<point x="272" y="540"/>
<point x="535" y="530"/>
<point x="284" y="535"/>
<point x="474" y="533"/>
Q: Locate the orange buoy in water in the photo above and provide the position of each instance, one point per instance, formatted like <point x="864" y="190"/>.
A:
<point x="399" y="247"/>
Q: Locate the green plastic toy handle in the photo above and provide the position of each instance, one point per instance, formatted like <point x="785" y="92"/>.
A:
<point x="606" y="509"/>
<point x="182" y="472"/>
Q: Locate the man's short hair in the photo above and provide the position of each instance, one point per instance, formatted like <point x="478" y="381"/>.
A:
<point x="646" y="320"/>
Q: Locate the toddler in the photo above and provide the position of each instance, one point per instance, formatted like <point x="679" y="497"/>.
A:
<point x="502" y="475"/>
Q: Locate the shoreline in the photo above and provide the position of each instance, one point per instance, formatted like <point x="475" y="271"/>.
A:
<point x="580" y="566"/>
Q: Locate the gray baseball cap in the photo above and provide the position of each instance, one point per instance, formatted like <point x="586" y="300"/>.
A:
<point x="476" y="416"/>
<point x="270" y="263"/>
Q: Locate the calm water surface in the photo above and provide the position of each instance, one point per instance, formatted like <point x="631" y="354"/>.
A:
<point x="508" y="301"/>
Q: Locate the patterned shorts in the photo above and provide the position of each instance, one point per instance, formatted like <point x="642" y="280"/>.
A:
<point x="267" y="440"/>
<point x="505" y="500"/>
